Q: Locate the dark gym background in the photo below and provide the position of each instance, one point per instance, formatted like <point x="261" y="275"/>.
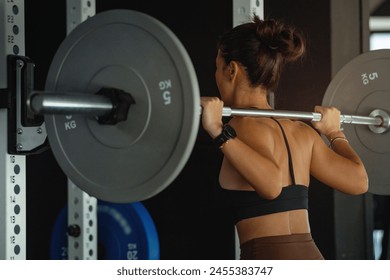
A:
<point x="191" y="222"/>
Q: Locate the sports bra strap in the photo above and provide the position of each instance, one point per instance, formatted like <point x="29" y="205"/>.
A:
<point x="290" y="164"/>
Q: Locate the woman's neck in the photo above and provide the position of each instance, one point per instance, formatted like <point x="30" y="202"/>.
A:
<point x="251" y="98"/>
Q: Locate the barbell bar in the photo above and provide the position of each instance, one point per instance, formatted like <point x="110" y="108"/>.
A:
<point x="101" y="106"/>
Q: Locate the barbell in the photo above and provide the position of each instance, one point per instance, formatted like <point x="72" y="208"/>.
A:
<point x="104" y="107"/>
<point x="138" y="154"/>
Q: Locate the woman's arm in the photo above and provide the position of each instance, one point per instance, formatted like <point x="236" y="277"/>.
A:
<point x="250" y="155"/>
<point x="339" y="166"/>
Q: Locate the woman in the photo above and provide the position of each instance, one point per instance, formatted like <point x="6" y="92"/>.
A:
<point x="268" y="162"/>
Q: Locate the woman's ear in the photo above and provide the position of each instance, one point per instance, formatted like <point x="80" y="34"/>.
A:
<point x="233" y="70"/>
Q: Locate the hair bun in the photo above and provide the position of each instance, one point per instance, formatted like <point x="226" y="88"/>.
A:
<point x="281" y="38"/>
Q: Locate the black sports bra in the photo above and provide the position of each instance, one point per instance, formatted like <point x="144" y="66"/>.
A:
<point x="248" y="204"/>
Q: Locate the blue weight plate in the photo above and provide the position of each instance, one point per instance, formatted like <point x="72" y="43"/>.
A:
<point x="125" y="232"/>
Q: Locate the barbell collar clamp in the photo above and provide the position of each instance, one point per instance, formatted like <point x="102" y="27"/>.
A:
<point x="121" y="102"/>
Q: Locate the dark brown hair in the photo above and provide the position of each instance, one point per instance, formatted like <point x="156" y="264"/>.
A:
<point x="262" y="47"/>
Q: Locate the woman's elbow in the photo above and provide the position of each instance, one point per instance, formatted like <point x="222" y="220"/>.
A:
<point x="361" y="184"/>
<point x="355" y="183"/>
<point x="270" y="193"/>
<point x="269" y="189"/>
<point x="363" y="187"/>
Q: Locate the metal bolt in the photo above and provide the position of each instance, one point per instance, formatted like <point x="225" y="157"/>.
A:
<point x="19" y="131"/>
<point x="19" y="146"/>
<point x="39" y="130"/>
<point x="74" y="230"/>
<point x="20" y="63"/>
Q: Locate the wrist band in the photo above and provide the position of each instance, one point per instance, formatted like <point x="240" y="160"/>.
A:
<point x="338" y="138"/>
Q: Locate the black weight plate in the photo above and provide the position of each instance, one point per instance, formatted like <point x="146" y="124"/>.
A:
<point x="360" y="87"/>
<point x="136" y="159"/>
<point x="125" y="232"/>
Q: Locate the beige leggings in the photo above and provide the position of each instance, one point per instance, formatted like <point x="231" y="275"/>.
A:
<point x="282" y="247"/>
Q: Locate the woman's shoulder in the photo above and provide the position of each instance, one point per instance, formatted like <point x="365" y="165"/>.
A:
<point x="294" y="129"/>
<point x="301" y="130"/>
<point x="297" y="125"/>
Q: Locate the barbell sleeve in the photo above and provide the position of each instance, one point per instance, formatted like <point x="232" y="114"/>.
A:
<point x="108" y="105"/>
<point x="67" y="104"/>
<point x="352" y="119"/>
